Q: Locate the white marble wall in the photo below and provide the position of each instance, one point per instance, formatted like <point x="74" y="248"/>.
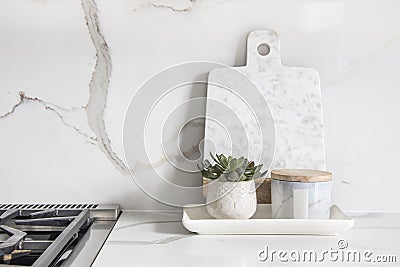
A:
<point x="61" y="140"/>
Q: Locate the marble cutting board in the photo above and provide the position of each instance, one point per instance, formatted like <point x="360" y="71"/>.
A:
<point x="294" y="98"/>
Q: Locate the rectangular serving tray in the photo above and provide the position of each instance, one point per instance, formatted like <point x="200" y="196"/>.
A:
<point x="196" y="219"/>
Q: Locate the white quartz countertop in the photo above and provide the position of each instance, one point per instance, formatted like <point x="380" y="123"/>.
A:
<point x="157" y="238"/>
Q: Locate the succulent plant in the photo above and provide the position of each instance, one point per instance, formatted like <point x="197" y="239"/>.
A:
<point x="230" y="169"/>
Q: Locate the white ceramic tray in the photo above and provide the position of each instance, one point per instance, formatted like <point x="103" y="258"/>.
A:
<point x="196" y="219"/>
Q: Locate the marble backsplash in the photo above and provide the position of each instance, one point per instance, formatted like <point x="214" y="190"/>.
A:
<point x="69" y="69"/>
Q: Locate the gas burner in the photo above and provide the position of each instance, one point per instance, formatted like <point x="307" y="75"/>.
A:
<point x="49" y="235"/>
<point x="9" y="249"/>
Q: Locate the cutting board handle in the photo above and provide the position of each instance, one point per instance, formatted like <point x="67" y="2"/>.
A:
<point x="263" y="48"/>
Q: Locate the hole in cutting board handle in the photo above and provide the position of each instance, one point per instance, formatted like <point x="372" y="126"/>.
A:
<point x="263" y="49"/>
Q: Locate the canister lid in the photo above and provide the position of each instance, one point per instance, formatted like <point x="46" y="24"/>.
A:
<point x="300" y="175"/>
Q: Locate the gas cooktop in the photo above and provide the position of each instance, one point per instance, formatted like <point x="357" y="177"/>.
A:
<point x="42" y="235"/>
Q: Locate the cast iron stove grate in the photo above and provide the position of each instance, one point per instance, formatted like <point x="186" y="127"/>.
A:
<point x="44" y="234"/>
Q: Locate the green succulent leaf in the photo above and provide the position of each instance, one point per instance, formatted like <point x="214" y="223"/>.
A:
<point x="257" y="175"/>
<point x="230" y="169"/>
<point x="264" y="174"/>
<point x="258" y="168"/>
<point x="251" y="164"/>
<point x="233" y="176"/>
<point x="217" y="162"/>
<point x="207" y="163"/>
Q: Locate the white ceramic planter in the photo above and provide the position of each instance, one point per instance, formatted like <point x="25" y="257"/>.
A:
<point x="231" y="200"/>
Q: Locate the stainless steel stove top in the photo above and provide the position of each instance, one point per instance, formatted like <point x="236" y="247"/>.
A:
<point x="43" y="235"/>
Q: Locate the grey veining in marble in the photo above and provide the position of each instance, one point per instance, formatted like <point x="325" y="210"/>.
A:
<point x="168" y="222"/>
<point x="142" y="223"/>
<point x="99" y="85"/>
<point x="87" y="120"/>
<point x="153" y="242"/>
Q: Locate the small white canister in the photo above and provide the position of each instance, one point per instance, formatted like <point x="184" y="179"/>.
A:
<point x="300" y="194"/>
